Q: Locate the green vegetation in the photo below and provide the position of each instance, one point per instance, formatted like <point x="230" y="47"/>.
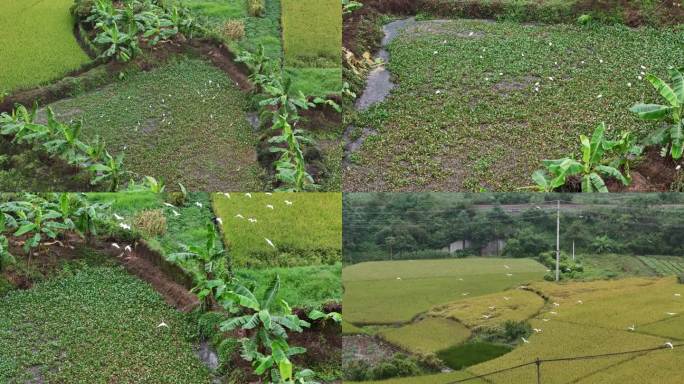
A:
<point x="147" y="115"/>
<point x="319" y="72"/>
<point x="33" y="56"/>
<point x="45" y="227"/>
<point x="671" y="136"/>
<point x="117" y="32"/>
<point x="663" y="265"/>
<point x="395" y="291"/>
<point x="62" y="141"/>
<point x="423" y="224"/>
<point x="465" y="355"/>
<point x="592" y="167"/>
<point x="92" y="324"/>
<point x="302" y="287"/>
<point x="459" y="127"/>
<point x="589" y="312"/>
<point x="559" y="11"/>
<point x="427" y="335"/>
<point x="312" y="33"/>
<point x="304" y="229"/>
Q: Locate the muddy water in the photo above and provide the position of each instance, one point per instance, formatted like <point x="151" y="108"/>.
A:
<point x="208" y="356"/>
<point x="379" y="83"/>
<point x="378" y="86"/>
<point x="352" y="145"/>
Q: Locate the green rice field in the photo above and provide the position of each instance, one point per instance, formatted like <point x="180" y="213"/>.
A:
<point x="38" y="44"/>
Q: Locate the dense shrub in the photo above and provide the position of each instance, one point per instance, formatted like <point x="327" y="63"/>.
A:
<point x="398" y="365"/>
<point x="680" y="278"/>
<point x="527" y="243"/>
<point x="568" y="268"/>
<point x="509" y="333"/>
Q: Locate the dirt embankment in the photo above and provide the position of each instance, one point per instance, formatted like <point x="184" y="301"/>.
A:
<point x="168" y="280"/>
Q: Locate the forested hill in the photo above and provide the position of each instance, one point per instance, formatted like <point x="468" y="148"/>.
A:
<point x="411" y="226"/>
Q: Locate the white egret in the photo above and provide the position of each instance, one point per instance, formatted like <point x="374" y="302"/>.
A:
<point x="118" y="217"/>
<point x="248" y="195"/>
<point x="163" y="324"/>
<point x="269" y="242"/>
<point x="115" y="245"/>
<point x="525" y="340"/>
<point x="669" y="345"/>
<point x="239" y="216"/>
<point x="269" y="206"/>
<point x="128" y="249"/>
<point x="125" y="226"/>
<point x="287" y="202"/>
<point x="197" y="203"/>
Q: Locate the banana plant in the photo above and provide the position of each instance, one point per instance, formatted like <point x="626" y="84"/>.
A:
<point x="103" y="14"/>
<point x="267" y="320"/>
<point x="591" y="167"/>
<point x="39" y="224"/>
<point x="154" y="185"/>
<point x="6" y="257"/>
<point x="291" y="166"/>
<point x="281" y="99"/>
<point x="119" y="45"/>
<point x="95" y="150"/>
<point x="208" y="286"/>
<point x="349" y="6"/>
<point x="626" y="150"/>
<point x="65" y="141"/>
<point x="21" y="125"/>
<point x="261" y="66"/>
<point x="672" y="135"/>
<point x="111" y="170"/>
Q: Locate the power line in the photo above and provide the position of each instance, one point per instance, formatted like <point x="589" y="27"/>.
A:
<point x="538" y="362"/>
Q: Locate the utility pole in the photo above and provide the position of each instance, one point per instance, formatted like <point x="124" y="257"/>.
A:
<point x="558" y="240"/>
<point x="573" y="250"/>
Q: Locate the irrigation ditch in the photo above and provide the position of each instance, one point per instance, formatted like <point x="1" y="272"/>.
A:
<point x="368" y="31"/>
<point x="99" y="73"/>
<point x="173" y="284"/>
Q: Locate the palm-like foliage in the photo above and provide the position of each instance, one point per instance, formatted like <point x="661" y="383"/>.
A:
<point x="111" y="170"/>
<point x="204" y="262"/>
<point x="268" y="320"/>
<point x="592" y="166"/>
<point x="282" y="99"/>
<point x="672" y="135"/>
<point x="64" y="140"/>
<point x="291" y="166"/>
<point x="6" y="257"/>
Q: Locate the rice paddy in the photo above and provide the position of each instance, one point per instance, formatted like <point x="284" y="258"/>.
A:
<point x="427" y="335"/>
<point x="303" y="229"/>
<point x="389" y="292"/>
<point x="38" y="43"/>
